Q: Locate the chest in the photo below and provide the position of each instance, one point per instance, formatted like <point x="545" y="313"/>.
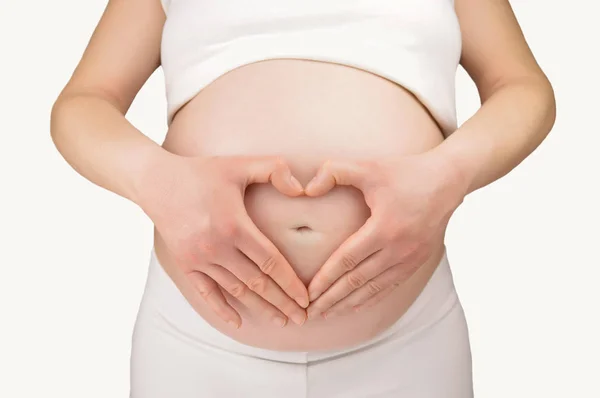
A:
<point x="212" y="21"/>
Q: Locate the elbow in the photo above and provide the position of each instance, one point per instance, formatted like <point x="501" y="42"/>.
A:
<point x="547" y="100"/>
<point x="541" y="85"/>
<point x="59" y="115"/>
<point x="544" y="101"/>
<point x="55" y="111"/>
<point x="545" y="105"/>
<point x="60" y="112"/>
<point x="550" y="104"/>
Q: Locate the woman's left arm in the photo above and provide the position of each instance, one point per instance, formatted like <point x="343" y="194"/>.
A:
<point x="517" y="113"/>
<point x="518" y="107"/>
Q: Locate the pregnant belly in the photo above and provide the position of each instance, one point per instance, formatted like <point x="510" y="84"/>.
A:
<point x="306" y="112"/>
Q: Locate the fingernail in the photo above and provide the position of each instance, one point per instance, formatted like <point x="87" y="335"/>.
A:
<point x="299" y="318"/>
<point x="234" y="324"/>
<point x="302" y="301"/>
<point x="313" y="294"/>
<point x="279" y="321"/>
<point x="314" y="180"/>
<point x="310" y="184"/>
<point x="296" y="183"/>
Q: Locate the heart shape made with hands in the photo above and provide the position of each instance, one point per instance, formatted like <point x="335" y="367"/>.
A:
<point x="410" y="200"/>
<point x="321" y="221"/>
<point x="335" y="215"/>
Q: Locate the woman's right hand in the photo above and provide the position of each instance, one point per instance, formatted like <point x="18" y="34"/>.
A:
<point x="197" y="205"/>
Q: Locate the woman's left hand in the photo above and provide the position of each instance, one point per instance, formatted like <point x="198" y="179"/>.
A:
<point x="411" y="200"/>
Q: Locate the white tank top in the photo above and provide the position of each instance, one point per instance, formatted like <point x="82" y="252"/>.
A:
<point x="415" y="43"/>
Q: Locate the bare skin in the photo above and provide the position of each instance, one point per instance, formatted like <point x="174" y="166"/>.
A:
<point x="304" y="127"/>
<point x="340" y="226"/>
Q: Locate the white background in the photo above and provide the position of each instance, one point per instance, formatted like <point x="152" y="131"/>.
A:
<point x="73" y="256"/>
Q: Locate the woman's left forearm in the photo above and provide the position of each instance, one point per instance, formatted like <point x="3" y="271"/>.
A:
<point x="510" y="124"/>
<point x="412" y="197"/>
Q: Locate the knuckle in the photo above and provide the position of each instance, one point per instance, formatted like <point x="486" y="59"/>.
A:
<point x="185" y="256"/>
<point x="187" y="250"/>
<point x="228" y="229"/>
<point x="374" y="287"/>
<point x="204" y="225"/>
<point x="276" y="164"/>
<point x="206" y="291"/>
<point x="237" y="290"/>
<point x="268" y="265"/>
<point x="279" y="162"/>
<point x="196" y="242"/>
<point x="349" y="262"/>
<point x="356" y="279"/>
<point x="205" y="249"/>
<point x="327" y="165"/>
<point x="258" y="284"/>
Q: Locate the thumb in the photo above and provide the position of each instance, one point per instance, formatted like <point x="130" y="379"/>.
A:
<point x="273" y="169"/>
<point x="337" y="172"/>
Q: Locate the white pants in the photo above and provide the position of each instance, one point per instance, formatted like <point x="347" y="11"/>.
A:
<point x="176" y="354"/>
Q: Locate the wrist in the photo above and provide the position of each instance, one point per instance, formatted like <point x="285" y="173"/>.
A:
<point x="154" y="166"/>
<point x="453" y="168"/>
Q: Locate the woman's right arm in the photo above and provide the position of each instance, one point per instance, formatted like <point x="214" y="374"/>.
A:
<point x="89" y="129"/>
<point x="88" y="125"/>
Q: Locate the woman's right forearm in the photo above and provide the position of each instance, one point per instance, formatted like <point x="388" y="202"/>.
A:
<point x="96" y="139"/>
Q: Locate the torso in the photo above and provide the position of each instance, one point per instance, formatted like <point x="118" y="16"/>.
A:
<point x="306" y="111"/>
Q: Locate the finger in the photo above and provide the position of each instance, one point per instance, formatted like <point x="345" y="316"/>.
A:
<point x="212" y="295"/>
<point x="352" y="252"/>
<point x="273" y="169"/>
<point x="263" y="253"/>
<point x="238" y="290"/>
<point x="396" y="274"/>
<point x="264" y="286"/>
<point x="355" y="279"/>
<point x="337" y="172"/>
<point x="367" y="304"/>
<point x="378" y="297"/>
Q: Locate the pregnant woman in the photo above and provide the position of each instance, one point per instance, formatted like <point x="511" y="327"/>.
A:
<point x="301" y="196"/>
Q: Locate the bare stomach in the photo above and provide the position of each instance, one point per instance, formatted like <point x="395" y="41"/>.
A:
<point x="306" y="112"/>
